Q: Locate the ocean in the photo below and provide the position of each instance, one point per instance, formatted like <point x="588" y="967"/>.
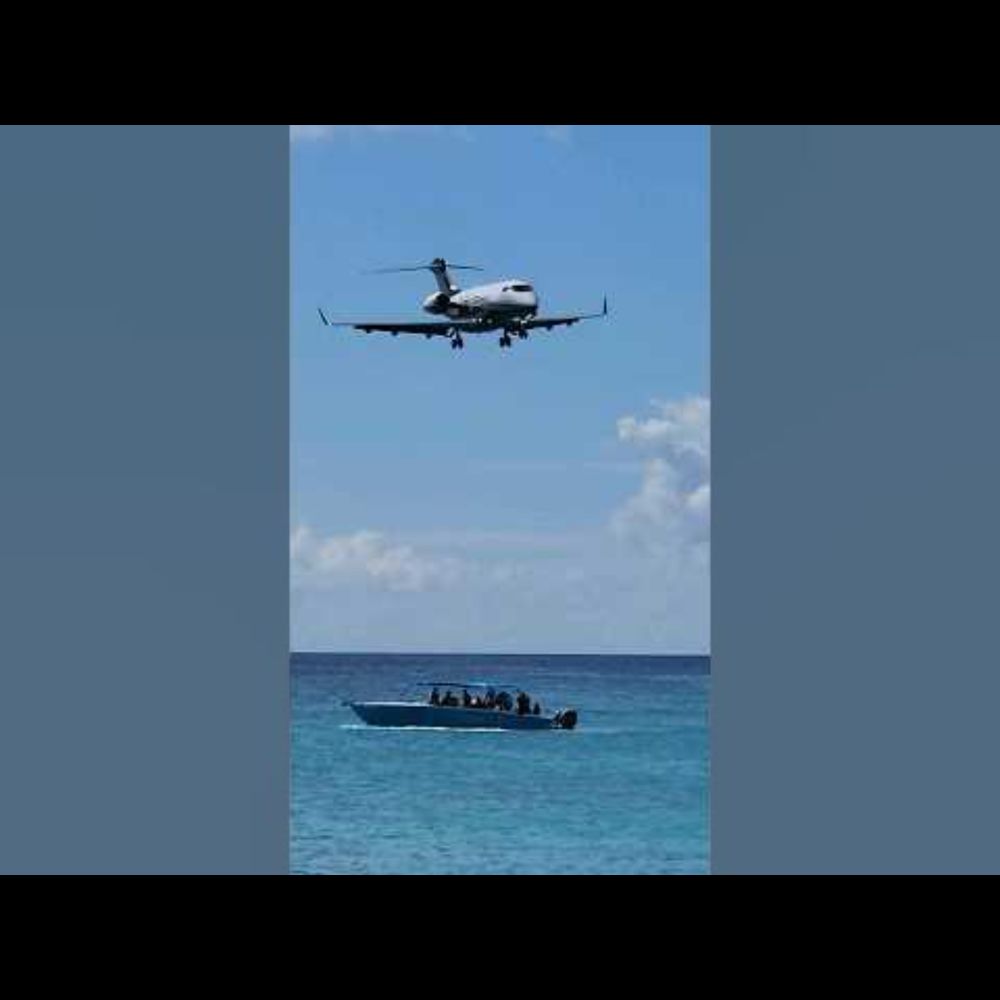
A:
<point x="625" y="793"/>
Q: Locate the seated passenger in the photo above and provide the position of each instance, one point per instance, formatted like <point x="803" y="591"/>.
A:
<point x="435" y="697"/>
<point x="537" y="709"/>
<point x="466" y="699"/>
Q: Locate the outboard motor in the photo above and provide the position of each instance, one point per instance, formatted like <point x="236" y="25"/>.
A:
<point x="566" y="720"/>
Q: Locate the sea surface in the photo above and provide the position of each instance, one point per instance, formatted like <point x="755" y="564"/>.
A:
<point x="624" y="793"/>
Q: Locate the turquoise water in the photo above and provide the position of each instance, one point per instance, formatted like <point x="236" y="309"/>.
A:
<point x="624" y="793"/>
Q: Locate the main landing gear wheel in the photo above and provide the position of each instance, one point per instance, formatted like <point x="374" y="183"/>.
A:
<point x="505" y="341"/>
<point x="457" y="342"/>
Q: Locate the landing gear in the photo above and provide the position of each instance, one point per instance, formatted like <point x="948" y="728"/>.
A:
<point x="457" y="342"/>
<point x="505" y="340"/>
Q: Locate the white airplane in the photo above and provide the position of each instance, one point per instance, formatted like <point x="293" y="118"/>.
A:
<point x="510" y="306"/>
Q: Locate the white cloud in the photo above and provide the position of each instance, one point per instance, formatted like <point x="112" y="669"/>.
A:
<point x="682" y="427"/>
<point x="672" y="507"/>
<point x="307" y="132"/>
<point x="367" y="556"/>
<point x="558" y="133"/>
<point x="562" y="134"/>
<point x="310" y="131"/>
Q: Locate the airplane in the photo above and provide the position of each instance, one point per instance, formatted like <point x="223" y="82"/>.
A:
<point x="510" y="305"/>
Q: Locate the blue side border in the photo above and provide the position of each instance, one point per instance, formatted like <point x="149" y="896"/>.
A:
<point x="143" y="533"/>
<point x="856" y="351"/>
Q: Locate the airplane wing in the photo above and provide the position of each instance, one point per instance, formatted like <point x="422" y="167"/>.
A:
<point x="433" y="328"/>
<point x="548" y="322"/>
<point x="445" y="328"/>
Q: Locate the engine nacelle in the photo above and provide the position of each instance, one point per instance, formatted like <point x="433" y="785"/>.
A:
<point x="436" y="303"/>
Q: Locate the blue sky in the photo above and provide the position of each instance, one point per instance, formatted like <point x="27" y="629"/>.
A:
<point x="549" y="498"/>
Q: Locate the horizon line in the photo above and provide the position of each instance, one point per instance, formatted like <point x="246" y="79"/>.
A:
<point x="391" y="652"/>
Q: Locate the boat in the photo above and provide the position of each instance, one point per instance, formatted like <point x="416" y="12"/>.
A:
<point x="495" y="708"/>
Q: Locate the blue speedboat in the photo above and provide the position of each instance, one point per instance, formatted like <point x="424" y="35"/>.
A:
<point x="490" y="708"/>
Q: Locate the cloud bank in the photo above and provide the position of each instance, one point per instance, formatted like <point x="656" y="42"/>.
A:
<point x="638" y="582"/>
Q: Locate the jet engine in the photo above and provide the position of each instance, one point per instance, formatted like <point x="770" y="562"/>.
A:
<point x="436" y="303"/>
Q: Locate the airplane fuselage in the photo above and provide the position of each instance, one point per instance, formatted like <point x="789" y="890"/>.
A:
<point x="495" y="304"/>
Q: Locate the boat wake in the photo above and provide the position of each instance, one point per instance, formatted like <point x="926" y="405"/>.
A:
<point x="423" y="729"/>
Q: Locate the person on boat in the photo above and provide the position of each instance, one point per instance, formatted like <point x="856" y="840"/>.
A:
<point x="537" y="709"/>
<point x="523" y="703"/>
<point x="491" y="698"/>
<point x="435" y="697"/>
<point x="466" y="699"/>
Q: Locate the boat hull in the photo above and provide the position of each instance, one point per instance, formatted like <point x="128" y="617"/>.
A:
<point x="414" y="714"/>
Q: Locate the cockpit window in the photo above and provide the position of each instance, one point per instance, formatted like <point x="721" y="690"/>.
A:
<point x="520" y="288"/>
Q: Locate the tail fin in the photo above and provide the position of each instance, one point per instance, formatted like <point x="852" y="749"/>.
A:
<point x="439" y="268"/>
